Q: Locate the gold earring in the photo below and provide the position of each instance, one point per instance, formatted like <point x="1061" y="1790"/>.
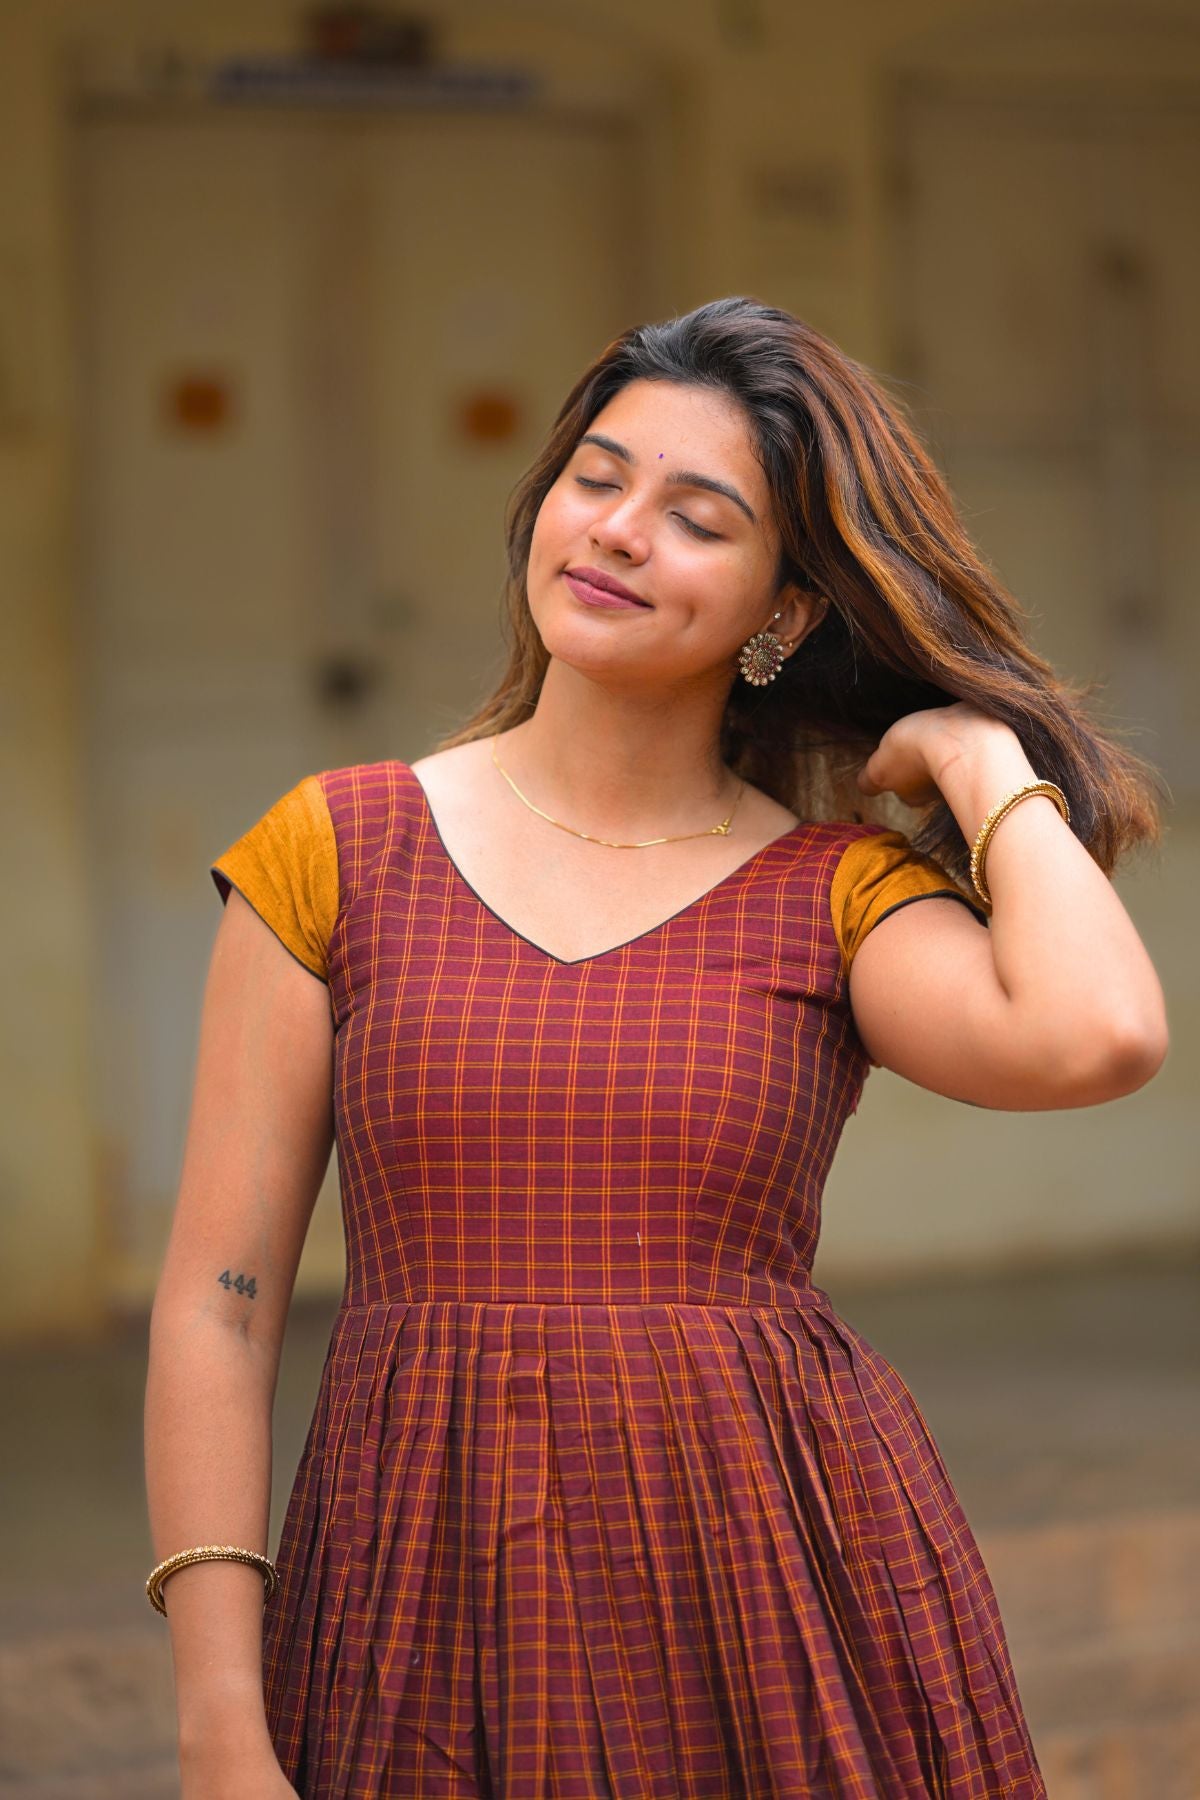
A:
<point x="761" y="657"/>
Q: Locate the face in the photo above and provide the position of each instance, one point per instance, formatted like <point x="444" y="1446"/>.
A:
<point x="701" y="557"/>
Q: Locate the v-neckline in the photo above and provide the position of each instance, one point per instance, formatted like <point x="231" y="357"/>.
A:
<point x="575" y="962"/>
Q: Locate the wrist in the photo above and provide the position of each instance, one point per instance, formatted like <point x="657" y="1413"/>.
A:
<point x="222" y="1727"/>
<point x="976" y="778"/>
<point x="237" y="1748"/>
<point x="962" y="743"/>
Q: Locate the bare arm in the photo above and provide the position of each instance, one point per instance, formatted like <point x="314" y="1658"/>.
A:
<point x="258" y="1143"/>
<point x="1057" y="1004"/>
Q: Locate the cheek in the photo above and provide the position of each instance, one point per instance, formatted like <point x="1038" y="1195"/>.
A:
<point x="714" y="577"/>
<point x="558" y="520"/>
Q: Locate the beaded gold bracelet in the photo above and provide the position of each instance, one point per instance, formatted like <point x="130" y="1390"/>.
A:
<point x="208" y="1553"/>
<point x="983" y="838"/>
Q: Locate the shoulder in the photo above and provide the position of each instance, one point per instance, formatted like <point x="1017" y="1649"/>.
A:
<point x="370" y="784"/>
<point x="372" y="805"/>
<point x="319" y="846"/>
<point x="294" y="832"/>
<point x="876" y="870"/>
<point x="285" y="864"/>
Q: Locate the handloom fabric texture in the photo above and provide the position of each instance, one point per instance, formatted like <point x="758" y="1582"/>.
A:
<point x="601" y="1498"/>
<point x="286" y="867"/>
<point x="875" y="875"/>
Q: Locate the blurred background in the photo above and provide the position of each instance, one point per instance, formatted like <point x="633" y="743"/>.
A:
<point x="288" y="300"/>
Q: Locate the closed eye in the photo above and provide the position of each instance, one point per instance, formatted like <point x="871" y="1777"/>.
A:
<point x="683" y="520"/>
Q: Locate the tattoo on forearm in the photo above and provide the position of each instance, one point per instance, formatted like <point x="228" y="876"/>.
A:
<point x="244" y="1284"/>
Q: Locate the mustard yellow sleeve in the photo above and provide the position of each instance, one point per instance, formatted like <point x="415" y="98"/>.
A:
<point x="286" y="867"/>
<point x="876" y="874"/>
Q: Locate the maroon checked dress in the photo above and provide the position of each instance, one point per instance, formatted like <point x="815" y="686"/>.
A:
<point x="601" y="1498"/>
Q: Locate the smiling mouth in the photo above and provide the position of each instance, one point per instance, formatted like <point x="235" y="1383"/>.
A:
<point x="591" y="584"/>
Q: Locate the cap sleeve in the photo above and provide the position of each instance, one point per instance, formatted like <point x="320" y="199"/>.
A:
<point x="286" y="867"/>
<point x="878" y="873"/>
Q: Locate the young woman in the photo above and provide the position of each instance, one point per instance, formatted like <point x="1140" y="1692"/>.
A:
<point x="601" y="1496"/>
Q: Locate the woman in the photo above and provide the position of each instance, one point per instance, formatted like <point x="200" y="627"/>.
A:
<point x="601" y="1496"/>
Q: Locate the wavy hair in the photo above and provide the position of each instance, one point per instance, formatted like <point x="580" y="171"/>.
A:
<point x="916" y="617"/>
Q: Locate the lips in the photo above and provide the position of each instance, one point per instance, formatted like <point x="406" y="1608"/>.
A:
<point x="607" y="584"/>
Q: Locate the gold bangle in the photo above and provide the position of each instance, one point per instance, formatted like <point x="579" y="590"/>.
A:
<point x="983" y="838"/>
<point x="208" y="1553"/>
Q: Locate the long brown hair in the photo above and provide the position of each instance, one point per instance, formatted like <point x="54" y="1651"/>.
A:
<point x="916" y="617"/>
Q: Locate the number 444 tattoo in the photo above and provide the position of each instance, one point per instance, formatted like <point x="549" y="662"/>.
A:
<point x="247" y="1285"/>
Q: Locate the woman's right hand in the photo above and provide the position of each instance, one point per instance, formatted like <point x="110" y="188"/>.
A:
<point x="253" y="1775"/>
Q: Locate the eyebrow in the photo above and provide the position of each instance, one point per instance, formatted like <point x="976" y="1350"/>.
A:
<point x="677" y="477"/>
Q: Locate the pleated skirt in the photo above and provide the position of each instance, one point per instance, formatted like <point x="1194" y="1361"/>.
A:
<point x="653" y="1552"/>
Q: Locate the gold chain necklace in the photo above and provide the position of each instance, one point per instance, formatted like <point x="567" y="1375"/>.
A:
<point x="721" y="830"/>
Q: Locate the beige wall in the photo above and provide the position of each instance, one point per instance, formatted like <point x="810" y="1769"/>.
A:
<point x="918" y="1179"/>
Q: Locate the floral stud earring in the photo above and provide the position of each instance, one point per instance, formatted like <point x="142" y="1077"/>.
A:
<point x="761" y="657"/>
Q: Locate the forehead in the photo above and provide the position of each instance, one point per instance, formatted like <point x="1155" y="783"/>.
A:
<point x="665" y="419"/>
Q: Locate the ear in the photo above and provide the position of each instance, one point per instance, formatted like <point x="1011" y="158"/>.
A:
<point x="802" y="611"/>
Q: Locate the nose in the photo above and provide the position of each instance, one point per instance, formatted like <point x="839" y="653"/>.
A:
<point x="616" y="529"/>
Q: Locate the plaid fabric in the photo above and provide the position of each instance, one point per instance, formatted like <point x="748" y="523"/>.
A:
<point x="601" y="1496"/>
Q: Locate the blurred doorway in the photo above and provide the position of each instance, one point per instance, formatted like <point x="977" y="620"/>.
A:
<point x="1047" y="273"/>
<point x="316" y="353"/>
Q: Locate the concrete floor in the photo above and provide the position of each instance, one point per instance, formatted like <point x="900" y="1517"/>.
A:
<point x="1066" y="1406"/>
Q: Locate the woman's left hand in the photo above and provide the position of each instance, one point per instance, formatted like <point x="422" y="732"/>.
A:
<point x="914" y="753"/>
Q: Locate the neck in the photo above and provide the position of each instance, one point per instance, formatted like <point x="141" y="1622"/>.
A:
<point x="621" y="764"/>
